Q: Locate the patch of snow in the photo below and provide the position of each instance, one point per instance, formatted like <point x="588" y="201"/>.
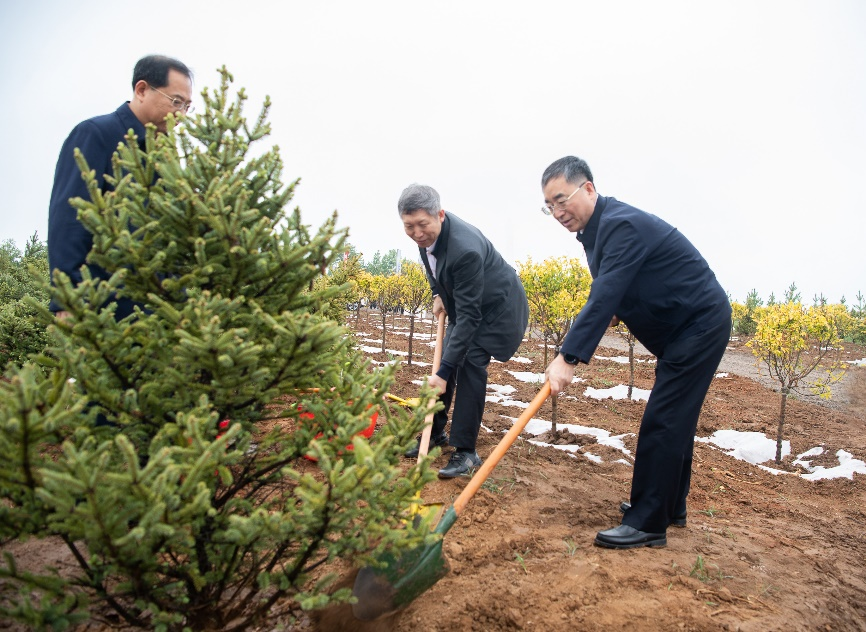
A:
<point x="502" y="395"/>
<point x="848" y="465"/>
<point x="366" y="349"/>
<point x="565" y="448"/>
<point x="602" y="437"/>
<point x="818" y="451"/>
<point x="505" y="401"/>
<point x="620" y="359"/>
<point x="620" y="391"/>
<point x="526" y="376"/>
<point x="752" y="447"/>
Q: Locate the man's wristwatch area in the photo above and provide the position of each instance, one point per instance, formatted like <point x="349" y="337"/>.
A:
<point x="569" y="359"/>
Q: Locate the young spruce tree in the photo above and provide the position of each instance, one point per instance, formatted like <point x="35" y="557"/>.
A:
<point x="113" y="442"/>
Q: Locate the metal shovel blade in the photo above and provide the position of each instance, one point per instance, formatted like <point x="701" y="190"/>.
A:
<point x="382" y="591"/>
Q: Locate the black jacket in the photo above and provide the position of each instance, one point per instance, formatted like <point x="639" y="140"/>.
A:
<point x="649" y="275"/>
<point x="69" y="242"/>
<point x="483" y="295"/>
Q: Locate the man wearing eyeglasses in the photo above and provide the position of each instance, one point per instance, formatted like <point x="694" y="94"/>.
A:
<point x="649" y="276"/>
<point x="487" y="317"/>
<point x="160" y="86"/>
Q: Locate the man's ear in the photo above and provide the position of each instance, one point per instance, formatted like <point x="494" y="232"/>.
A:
<point x="140" y="89"/>
<point x="441" y="215"/>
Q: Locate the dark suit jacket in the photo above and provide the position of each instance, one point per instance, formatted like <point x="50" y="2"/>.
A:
<point x="647" y="273"/>
<point x="483" y="295"/>
<point x="69" y="242"/>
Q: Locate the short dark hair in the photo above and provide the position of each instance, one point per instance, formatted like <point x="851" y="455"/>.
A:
<point x="154" y="70"/>
<point x="572" y="168"/>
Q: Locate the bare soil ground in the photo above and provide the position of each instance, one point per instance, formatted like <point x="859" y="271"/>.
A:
<point x="761" y="552"/>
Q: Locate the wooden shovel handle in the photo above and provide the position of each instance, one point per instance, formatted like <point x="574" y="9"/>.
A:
<point x="499" y="451"/>
<point x="437" y="350"/>
<point x="424" y="446"/>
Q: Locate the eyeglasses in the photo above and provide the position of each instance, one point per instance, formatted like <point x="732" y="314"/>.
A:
<point x="176" y="103"/>
<point x="548" y="209"/>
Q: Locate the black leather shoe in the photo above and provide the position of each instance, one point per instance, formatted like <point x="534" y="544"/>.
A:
<point x="626" y="537"/>
<point x="435" y="442"/>
<point x="461" y="463"/>
<point x="678" y="521"/>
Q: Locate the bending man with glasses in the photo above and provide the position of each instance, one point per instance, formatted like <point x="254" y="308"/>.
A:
<point x="487" y="316"/>
<point x="648" y="275"/>
<point x="160" y="86"/>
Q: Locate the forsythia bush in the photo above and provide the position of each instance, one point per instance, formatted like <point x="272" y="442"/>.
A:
<point x="801" y="348"/>
<point x="556" y="289"/>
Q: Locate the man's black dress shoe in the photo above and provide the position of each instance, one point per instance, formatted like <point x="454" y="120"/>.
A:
<point x="678" y="521"/>
<point x="435" y="442"/>
<point x="626" y="537"/>
<point x="461" y="463"/>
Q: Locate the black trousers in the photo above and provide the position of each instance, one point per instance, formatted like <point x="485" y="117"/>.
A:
<point x="470" y="382"/>
<point x="663" y="459"/>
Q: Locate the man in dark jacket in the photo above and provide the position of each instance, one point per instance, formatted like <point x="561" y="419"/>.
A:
<point x="649" y="276"/>
<point x="487" y="316"/>
<point x="160" y="86"/>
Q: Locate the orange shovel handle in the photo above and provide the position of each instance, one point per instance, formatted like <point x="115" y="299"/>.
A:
<point x="499" y="451"/>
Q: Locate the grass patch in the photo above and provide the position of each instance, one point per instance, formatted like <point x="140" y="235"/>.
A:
<point x="706" y="572"/>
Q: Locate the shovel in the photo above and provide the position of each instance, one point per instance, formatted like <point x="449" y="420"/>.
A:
<point x="382" y="591"/>
<point x="418" y="511"/>
<point x="437" y="358"/>
<point x="412" y="402"/>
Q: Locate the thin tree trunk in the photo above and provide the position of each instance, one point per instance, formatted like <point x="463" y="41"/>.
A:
<point x="631" y="367"/>
<point x="553" y="401"/>
<point x="384" y="316"/>
<point x="781" y="424"/>
<point x="411" y="334"/>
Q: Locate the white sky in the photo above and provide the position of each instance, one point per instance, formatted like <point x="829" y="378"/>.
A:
<point x="742" y="123"/>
